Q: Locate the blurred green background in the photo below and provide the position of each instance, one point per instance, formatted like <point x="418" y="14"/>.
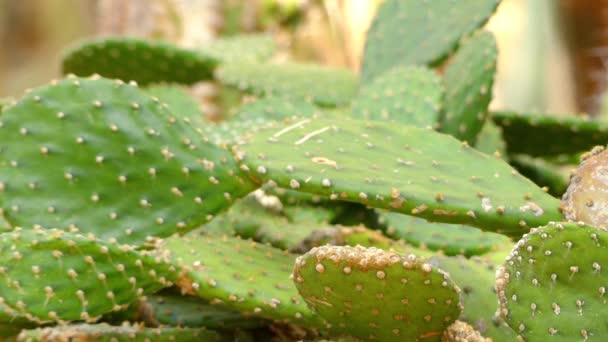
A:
<point x="552" y="52"/>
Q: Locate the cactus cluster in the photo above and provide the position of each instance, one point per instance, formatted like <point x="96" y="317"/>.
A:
<point x="325" y="206"/>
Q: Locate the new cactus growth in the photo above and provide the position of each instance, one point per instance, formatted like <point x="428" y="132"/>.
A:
<point x="377" y="295"/>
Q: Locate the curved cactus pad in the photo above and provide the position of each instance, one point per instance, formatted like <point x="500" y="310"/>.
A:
<point x="420" y="32"/>
<point x="451" y="239"/>
<point x="544" y="135"/>
<point x="553" y="287"/>
<point x="102" y="157"/>
<point x="402" y="168"/>
<point x="140" y="60"/>
<point x="468" y="87"/>
<point x="322" y="85"/>
<point x="107" y="333"/>
<point x="378" y="295"/>
<point x="51" y="275"/>
<point x="240" y="274"/>
<point x="241" y="48"/>
<point x="405" y="94"/>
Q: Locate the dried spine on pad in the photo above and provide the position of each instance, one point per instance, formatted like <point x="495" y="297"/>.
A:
<point x="586" y="199"/>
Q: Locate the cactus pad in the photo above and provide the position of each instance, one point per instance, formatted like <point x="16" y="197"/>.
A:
<point x="126" y="333"/>
<point x="322" y="85"/>
<point x="468" y="87"/>
<point x="51" y="275"/>
<point x="553" y="287"/>
<point x="241" y="48"/>
<point x="451" y="239"/>
<point x="546" y="135"/>
<point x="242" y="275"/>
<point x="374" y="294"/>
<point x="133" y="59"/>
<point x="100" y="156"/>
<point x="405" y="94"/>
<point x="401" y="168"/>
<point x="419" y="32"/>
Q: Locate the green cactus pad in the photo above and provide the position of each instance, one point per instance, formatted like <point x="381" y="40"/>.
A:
<point x="125" y="333"/>
<point x="553" y="287"/>
<point x="451" y="239"/>
<point x="547" y="135"/>
<point x="377" y="295"/>
<point x="134" y="59"/>
<point x="420" y="32"/>
<point x="468" y="84"/>
<point x="476" y="278"/>
<point x="276" y="108"/>
<point x="100" y="156"/>
<point x="242" y="275"/>
<point x="405" y="94"/>
<point x="52" y="275"/>
<point x="542" y="173"/>
<point x="182" y="311"/>
<point x="177" y="100"/>
<point x="241" y="48"/>
<point x="322" y="85"/>
<point x="490" y="141"/>
<point x="401" y="168"/>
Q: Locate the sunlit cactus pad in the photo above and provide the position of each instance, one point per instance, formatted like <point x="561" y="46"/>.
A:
<point x="451" y="239"/>
<point x="243" y="275"/>
<point x="103" y="157"/>
<point x="420" y="32"/>
<point x="401" y="168"/>
<point x="125" y="333"/>
<point x="140" y="60"/>
<point x="404" y="94"/>
<point x="468" y="87"/>
<point x="377" y="295"/>
<point x="320" y="84"/>
<point x="553" y="285"/>
<point x="50" y="275"/>
<point x="545" y="135"/>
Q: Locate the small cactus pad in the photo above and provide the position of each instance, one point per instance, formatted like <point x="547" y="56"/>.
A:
<point x="276" y="108"/>
<point x="182" y="311"/>
<point x="547" y="135"/>
<point x="420" y="32"/>
<point x="241" y="48"/>
<point x="405" y="94"/>
<point x="52" y="275"/>
<point x="586" y="199"/>
<point x="133" y="59"/>
<point x="468" y="87"/>
<point x="125" y="333"/>
<point x="476" y="280"/>
<point x="553" y="286"/>
<point x="377" y="295"/>
<point x="322" y="85"/>
<point x="401" y="168"/>
<point x="542" y="172"/>
<point x="179" y="102"/>
<point x="490" y="141"/>
<point x="451" y="239"/>
<point x="100" y="156"/>
<point x="242" y="275"/>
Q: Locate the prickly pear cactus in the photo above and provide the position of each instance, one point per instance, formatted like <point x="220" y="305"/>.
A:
<point x="101" y="157"/>
<point x="239" y="274"/>
<point x="322" y="85"/>
<point x="405" y="94"/>
<point x="126" y="333"/>
<point x="50" y="275"/>
<point x="377" y="295"/>
<point x="241" y="48"/>
<point x="553" y="287"/>
<point x="419" y="32"/>
<point x="410" y="170"/>
<point x="468" y="83"/>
